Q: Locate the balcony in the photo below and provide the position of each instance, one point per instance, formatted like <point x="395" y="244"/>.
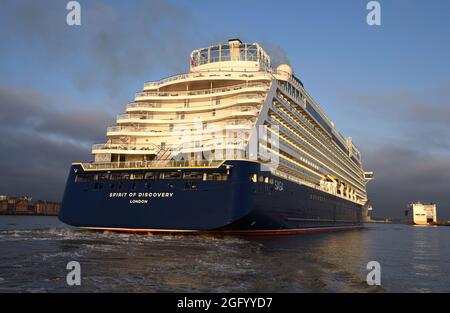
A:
<point x="195" y="106"/>
<point x="183" y="119"/>
<point x="212" y="75"/>
<point x="143" y="105"/>
<point x="125" y="148"/>
<point x="156" y="94"/>
<point x="245" y="124"/>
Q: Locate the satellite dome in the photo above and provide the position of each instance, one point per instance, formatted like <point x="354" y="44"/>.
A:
<point x="284" y="69"/>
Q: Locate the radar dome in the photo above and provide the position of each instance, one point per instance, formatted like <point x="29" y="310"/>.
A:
<point x="284" y="69"/>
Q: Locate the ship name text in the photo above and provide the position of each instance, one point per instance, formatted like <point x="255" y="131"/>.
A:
<point x="141" y="194"/>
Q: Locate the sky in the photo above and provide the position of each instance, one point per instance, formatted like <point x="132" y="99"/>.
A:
<point x="387" y="86"/>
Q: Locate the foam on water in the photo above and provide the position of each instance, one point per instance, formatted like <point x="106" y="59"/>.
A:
<point x="35" y="260"/>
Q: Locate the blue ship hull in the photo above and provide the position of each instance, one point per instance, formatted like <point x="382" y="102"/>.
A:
<point x="272" y="205"/>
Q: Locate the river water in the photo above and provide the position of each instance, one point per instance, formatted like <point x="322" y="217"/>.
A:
<point x="34" y="252"/>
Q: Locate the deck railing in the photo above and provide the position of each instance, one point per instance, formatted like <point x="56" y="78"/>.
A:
<point x="197" y="75"/>
<point x="202" y="91"/>
<point x="117" y="146"/>
<point x="203" y="105"/>
<point x="150" y="164"/>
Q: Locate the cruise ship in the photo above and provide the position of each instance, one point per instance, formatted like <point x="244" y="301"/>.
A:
<point x="234" y="146"/>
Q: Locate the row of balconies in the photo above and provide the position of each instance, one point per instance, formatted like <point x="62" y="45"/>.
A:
<point x="303" y="100"/>
<point x="291" y="128"/>
<point x="187" y="147"/>
<point x="260" y="86"/>
<point x="182" y="118"/>
<point x="195" y="106"/>
<point x="166" y="131"/>
<point x="283" y="109"/>
<point x="196" y="76"/>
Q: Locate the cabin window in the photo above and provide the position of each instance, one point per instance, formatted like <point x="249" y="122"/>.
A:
<point x="192" y="175"/>
<point x="147" y="185"/>
<point x="216" y="176"/>
<point x="253" y="177"/>
<point x="151" y="175"/>
<point x="120" y="176"/>
<point x="82" y="178"/>
<point x="136" y="176"/>
<point x="101" y="176"/>
<point x="172" y="175"/>
<point x="260" y="179"/>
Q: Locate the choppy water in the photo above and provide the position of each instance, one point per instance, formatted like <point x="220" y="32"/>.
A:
<point x="34" y="252"/>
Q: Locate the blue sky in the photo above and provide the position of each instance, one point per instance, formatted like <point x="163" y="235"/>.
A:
<point x="386" y="86"/>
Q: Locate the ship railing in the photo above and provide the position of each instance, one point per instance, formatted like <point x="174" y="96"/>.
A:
<point x="224" y="115"/>
<point x="200" y="74"/>
<point x="151" y="164"/>
<point x="248" y="57"/>
<point x="245" y="124"/>
<point x="119" y="146"/>
<point x="166" y="80"/>
<point x="244" y="112"/>
<point x="213" y="143"/>
<point x="202" y="91"/>
<point x="133" y="128"/>
<point x="199" y="105"/>
<point x="137" y="116"/>
<point x="143" y="104"/>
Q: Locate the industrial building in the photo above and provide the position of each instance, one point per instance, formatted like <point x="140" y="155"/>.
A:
<point x="421" y="214"/>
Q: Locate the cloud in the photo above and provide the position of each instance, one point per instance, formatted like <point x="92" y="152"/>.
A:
<point x="29" y="110"/>
<point x="429" y="105"/>
<point x="407" y="146"/>
<point x="115" y="42"/>
<point x="39" y="141"/>
<point x="45" y="129"/>
<point x="404" y="175"/>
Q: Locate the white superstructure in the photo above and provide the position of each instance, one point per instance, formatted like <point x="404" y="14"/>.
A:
<point x="211" y="112"/>
<point x="422" y="214"/>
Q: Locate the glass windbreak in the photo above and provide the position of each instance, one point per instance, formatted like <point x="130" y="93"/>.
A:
<point x="223" y="53"/>
<point x="214" y="54"/>
<point x="252" y="53"/>
<point x="242" y="52"/>
<point x="203" y="56"/>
